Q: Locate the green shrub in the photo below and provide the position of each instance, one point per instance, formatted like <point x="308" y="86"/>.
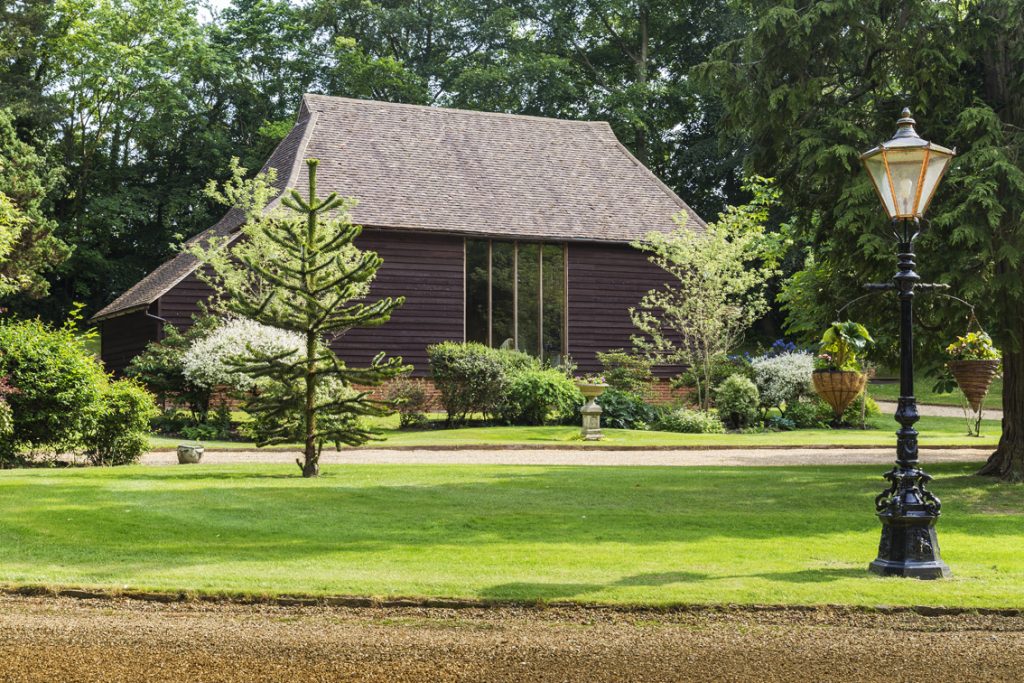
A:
<point x="626" y="371"/>
<point x="623" y="410"/>
<point x="851" y="415"/>
<point x="58" y="386"/>
<point x="737" y="400"/>
<point x="516" y="361"/>
<point x="411" y="398"/>
<point x="6" y="420"/>
<point x="120" y="434"/>
<point x="688" y="421"/>
<point x="61" y="401"/>
<point x="535" y="395"/>
<point x="161" y="367"/>
<point x="721" y="369"/>
<point x="809" y="413"/>
<point x="471" y="377"/>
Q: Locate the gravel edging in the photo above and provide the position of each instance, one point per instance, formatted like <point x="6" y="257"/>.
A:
<point x="356" y="601"/>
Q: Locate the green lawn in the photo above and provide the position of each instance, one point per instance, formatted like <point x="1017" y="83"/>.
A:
<point x="925" y="394"/>
<point x="935" y="431"/>
<point x="794" y="535"/>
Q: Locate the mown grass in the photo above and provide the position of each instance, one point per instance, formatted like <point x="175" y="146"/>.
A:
<point x="935" y="431"/>
<point x="890" y="391"/>
<point x="792" y="535"/>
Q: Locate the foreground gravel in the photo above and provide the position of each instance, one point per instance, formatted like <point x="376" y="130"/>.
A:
<point x="63" y="639"/>
<point x="882" y="456"/>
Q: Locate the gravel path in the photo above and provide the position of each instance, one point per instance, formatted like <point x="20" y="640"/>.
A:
<point x="889" y="408"/>
<point x="687" y="458"/>
<point x="61" y="639"/>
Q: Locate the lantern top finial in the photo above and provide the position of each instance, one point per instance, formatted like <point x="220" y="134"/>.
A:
<point x="905" y="127"/>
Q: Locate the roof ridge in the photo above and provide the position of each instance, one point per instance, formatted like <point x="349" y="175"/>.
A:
<point x="455" y="110"/>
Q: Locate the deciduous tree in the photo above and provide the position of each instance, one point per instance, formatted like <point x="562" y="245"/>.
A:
<point x="719" y="276"/>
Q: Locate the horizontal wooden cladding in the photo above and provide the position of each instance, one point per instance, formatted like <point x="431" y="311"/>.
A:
<point x="605" y="281"/>
<point x="124" y="337"/>
<point x="181" y="302"/>
<point x="427" y="270"/>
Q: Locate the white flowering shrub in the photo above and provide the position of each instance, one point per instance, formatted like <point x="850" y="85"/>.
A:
<point x="207" y="363"/>
<point x="782" y="378"/>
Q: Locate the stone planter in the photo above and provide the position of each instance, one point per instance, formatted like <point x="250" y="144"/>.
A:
<point x="974" y="378"/>
<point x="591" y="430"/>
<point x="838" y="388"/>
<point x="189" y="455"/>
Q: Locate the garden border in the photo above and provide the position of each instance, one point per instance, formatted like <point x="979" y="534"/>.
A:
<point x="371" y="602"/>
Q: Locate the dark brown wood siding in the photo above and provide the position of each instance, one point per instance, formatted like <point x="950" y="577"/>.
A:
<point x="427" y="270"/>
<point x="182" y="301"/>
<point x="605" y="281"/>
<point x="124" y="337"/>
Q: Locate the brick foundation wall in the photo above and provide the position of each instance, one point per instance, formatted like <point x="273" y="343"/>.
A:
<point x="659" y="392"/>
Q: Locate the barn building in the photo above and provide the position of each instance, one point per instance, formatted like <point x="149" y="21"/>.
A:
<point x="508" y="230"/>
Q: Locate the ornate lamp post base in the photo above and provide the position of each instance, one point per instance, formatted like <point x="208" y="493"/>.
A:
<point x="909" y="545"/>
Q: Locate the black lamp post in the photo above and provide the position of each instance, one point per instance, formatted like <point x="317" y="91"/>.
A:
<point x="905" y="171"/>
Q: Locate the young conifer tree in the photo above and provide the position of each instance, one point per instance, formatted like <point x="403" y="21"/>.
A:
<point x="299" y="270"/>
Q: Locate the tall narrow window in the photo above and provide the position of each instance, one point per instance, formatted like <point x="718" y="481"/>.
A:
<point x="503" y="333"/>
<point x="515" y="296"/>
<point x="529" y="298"/>
<point x="477" y="290"/>
<point x="553" y="297"/>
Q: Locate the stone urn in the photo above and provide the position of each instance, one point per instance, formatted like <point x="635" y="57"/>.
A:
<point x="838" y="388"/>
<point x="591" y="411"/>
<point x="189" y="455"/>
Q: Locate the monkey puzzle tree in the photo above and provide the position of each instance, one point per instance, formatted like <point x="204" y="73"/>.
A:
<point x="299" y="270"/>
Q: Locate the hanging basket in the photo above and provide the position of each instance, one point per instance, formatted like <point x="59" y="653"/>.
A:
<point x="838" y="388"/>
<point x="974" y="378"/>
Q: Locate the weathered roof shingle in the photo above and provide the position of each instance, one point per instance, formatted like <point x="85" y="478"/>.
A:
<point x="476" y="173"/>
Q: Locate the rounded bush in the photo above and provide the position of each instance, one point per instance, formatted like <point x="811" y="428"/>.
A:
<point x="809" y="413"/>
<point x="782" y="378"/>
<point x="535" y="395"/>
<point x="470" y="377"/>
<point x="121" y="432"/>
<point x="688" y="421"/>
<point x="737" y="400"/>
<point x="61" y="400"/>
<point x="58" y="386"/>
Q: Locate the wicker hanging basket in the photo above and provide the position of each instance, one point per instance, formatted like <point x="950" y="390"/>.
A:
<point x="838" y="388"/>
<point x="974" y="377"/>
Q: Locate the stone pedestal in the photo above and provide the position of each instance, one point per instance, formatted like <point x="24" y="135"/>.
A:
<point x="591" y="411"/>
<point x="591" y="421"/>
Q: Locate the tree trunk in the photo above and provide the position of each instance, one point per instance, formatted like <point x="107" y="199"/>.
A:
<point x="1007" y="462"/>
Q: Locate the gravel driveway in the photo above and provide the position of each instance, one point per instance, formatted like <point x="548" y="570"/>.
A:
<point x="929" y="410"/>
<point x="61" y="639"/>
<point x="544" y="456"/>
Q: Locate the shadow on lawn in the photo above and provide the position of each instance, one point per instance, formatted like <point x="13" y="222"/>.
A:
<point x="91" y="520"/>
<point x="564" y="591"/>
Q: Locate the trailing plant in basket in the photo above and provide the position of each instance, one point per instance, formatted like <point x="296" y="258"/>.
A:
<point x="973" y="346"/>
<point x="842" y="347"/>
<point x="974" y="362"/>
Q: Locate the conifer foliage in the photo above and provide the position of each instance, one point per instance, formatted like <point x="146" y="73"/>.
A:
<point x="298" y="270"/>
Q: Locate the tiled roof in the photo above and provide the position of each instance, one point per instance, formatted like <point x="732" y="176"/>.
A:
<point x="431" y="169"/>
